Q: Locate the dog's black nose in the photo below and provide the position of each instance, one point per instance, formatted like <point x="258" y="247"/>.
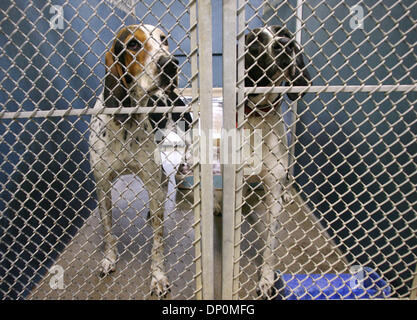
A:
<point x="168" y="69"/>
<point x="168" y="65"/>
<point x="281" y="45"/>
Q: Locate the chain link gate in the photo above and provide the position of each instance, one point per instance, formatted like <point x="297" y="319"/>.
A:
<point x="52" y="75"/>
<point x="351" y="150"/>
<point x="350" y="186"/>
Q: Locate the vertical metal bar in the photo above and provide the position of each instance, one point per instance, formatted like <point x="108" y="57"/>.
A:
<point x="206" y="145"/>
<point x="294" y="105"/>
<point x="229" y="126"/>
<point x="132" y="5"/>
<point x="240" y="86"/>
<point x="195" y="150"/>
<point x="413" y="294"/>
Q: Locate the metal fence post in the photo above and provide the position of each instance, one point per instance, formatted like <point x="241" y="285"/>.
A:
<point x="206" y="144"/>
<point x="240" y="86"/>
<point x="294" y="105"/>
<point x="229" y="124"/>
<point x="195" y="151"/>
<point x="355" y="160"/>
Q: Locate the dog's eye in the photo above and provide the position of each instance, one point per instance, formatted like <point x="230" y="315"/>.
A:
<point x="134" y="45"/>
<point x="164" y="40"/>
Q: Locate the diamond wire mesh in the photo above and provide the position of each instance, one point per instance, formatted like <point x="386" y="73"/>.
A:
<point x="354" y="158"/>
<point x="50" y="80"/>
<point x="353" y="181"/>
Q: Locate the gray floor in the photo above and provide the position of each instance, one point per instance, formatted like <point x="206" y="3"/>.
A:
<point x="304" y="247"/>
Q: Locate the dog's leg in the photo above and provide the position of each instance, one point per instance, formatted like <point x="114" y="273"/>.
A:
<point x="108" y="264"/>
<point x="155" y="183"/>
<point x="159" y="283"/>
<point x="185" y="165"/>
<point x="217" y="202"/>
<point x="187" y="158"/>
<point x="273" y="202"/>
<point x="274" y="173"/>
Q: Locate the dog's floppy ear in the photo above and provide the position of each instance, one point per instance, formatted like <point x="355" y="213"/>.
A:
<point x="115" y="86"/>
<point x="297" y="73"/>
<point x="114" y="89"/>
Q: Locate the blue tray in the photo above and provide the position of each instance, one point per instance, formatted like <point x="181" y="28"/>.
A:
<point x="366" y="284"/>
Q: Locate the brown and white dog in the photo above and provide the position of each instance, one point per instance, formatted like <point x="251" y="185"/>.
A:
<point x="139" y="66"/>
<point x="272" y="58"/>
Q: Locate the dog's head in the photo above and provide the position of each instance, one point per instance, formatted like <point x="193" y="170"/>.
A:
<point x="274" y="57"/>
<point x="138" y="65"/>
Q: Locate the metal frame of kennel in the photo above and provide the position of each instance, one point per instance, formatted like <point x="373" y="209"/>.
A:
<point x="200" y="84"/>
<point x="235" y="25"/>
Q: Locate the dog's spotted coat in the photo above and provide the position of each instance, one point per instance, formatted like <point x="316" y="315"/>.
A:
<point x="139" y="65"/>
<point x="272" y="58"/>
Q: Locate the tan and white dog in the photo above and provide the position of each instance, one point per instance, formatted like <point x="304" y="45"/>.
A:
<point x="138" y="66"/>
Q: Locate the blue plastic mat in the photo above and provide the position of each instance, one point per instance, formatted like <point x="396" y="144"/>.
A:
<point x="365" y="284"/>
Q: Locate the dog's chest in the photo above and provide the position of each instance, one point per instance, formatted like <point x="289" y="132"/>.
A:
<point x="110" y="139"/>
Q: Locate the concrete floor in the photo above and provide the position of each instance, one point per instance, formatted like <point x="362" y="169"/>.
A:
<point x="304" y="247"/>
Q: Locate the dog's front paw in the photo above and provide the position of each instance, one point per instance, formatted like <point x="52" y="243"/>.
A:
<point x="108" y="264"/>
<point x="217" y="209"/>
<point x="184" y="169"/>
<point x="287" y="197"/>
<point x="217" y="203"/>
<point x="160" y="286"/>
<point x="266" y="286"/>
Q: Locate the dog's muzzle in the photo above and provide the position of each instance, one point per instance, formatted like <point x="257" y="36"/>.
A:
<point x="282" y="51"/>
<point x="168" y="71"/>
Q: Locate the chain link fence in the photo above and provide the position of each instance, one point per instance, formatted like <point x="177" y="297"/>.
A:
<point x="345" y="205"/>
<point x="350" y="151"/>
<point x="51" y="231"/>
